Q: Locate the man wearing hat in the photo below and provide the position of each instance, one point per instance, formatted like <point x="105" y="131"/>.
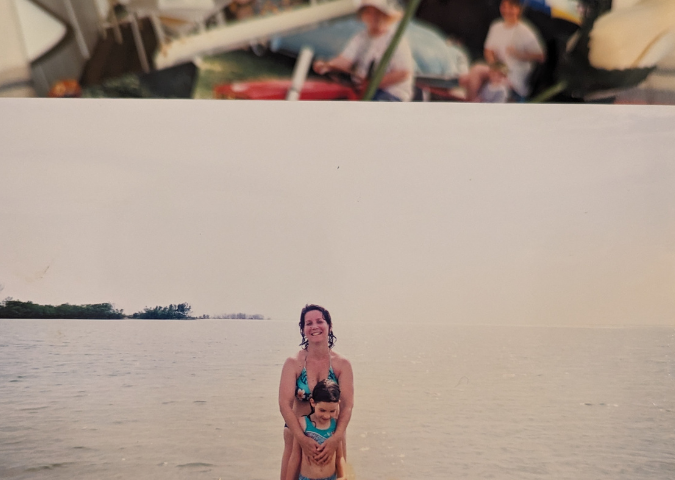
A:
<point x="365" y="50"/>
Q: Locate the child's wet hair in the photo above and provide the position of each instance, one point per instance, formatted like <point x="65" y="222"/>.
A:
<point x="326" y="391"/>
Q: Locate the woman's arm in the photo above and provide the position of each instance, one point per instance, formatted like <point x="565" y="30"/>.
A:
<point x="295" y="460"/>
<point x="286" y="399"/>
<point x="346" y="381"/>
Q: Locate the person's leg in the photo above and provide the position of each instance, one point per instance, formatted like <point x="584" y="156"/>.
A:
<point x="294" y="460"/>
<point x="288" y="450"/>
<point x="384" y="96"/>
<point x="517" y="98"/>
<point x="474" y="80"/>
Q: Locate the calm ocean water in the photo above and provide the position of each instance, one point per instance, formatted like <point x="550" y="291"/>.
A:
<point x="198" y="399"/>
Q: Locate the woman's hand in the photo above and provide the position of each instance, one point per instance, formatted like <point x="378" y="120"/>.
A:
<point x="326" y="450"/>
<point x="309" y="447"/>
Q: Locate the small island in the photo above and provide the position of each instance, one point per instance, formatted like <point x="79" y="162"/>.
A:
<point x="10" y="308"/>
<point x="239" y="316"/>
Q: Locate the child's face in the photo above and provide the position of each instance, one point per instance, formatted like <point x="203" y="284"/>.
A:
<point x="376" y="21"/>
<point x="510" y="12"/>
<point x="325" y="410"/>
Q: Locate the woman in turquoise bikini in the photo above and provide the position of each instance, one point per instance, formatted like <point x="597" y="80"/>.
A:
<point x="316" y="361"/>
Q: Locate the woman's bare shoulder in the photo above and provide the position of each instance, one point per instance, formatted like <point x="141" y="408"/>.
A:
<point x="339" y="361"/>
<point x="296" y="359"/>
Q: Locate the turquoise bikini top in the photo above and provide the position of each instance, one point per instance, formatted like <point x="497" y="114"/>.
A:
<point x="317" y="434"/>
<point x="302" y="387"/>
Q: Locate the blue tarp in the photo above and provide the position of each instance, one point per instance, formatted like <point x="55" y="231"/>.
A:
<point x="434" y="55"/>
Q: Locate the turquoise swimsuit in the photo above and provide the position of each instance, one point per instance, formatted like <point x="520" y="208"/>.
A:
<point x="332" y="477"/>
<point x="302" y="390"/>
<point x="317" y="434"/>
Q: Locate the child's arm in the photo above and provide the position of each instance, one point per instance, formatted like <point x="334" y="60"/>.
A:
<point x="340" y="463"/>
<point x="525" y="56"/>
<point x="339" y="63"/>
<point x="345" y="60"/>
<point x="489" y="56"/>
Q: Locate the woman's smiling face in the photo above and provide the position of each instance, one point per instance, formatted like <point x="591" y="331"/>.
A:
<point x="316" y="328"/>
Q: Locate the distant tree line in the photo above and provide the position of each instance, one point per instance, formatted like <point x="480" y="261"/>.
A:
<point x="241" y="316"/>
<point x="172" y="312"/>
<point x="10" y="308"/>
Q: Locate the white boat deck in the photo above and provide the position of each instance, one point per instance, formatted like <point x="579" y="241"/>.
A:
<point x="241" y="34"/>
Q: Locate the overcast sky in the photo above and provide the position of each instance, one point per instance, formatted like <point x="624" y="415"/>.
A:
<point x="555" y="215"/>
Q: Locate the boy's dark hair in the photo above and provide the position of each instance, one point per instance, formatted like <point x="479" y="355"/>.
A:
<point x="515" y="3"/>
<point x="326" y="391"/>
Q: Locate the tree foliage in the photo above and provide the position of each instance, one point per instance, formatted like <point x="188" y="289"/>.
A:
<point x="10" y="308"/>
<point x="172" y="312"/>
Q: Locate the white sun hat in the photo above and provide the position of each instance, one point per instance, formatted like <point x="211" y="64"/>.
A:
<point x="390" y="7"/>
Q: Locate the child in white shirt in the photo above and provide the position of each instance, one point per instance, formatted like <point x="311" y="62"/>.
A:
<point x="365" y="50"/>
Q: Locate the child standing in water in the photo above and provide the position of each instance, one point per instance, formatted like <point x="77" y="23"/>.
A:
<point x="320" y="425"/>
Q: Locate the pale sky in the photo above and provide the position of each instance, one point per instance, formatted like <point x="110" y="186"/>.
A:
<point x="518" y="214"/>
